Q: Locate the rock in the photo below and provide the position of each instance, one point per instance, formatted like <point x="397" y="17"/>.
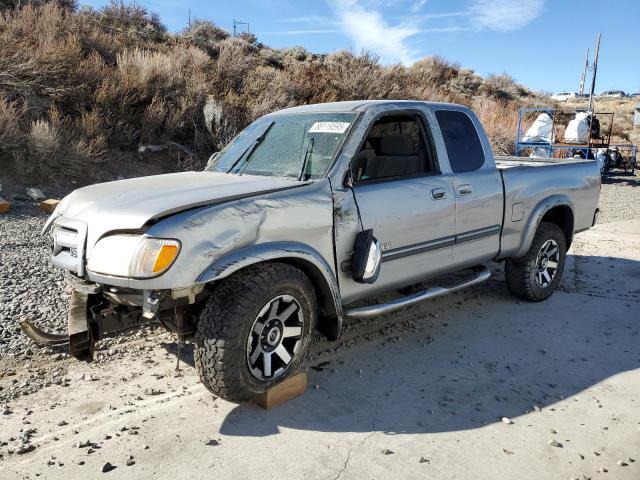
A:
<point x="49" y="205"/>
<point x="537" y="408"/>
<point x="130" y="461"/>
<point x="25" y="448"/>
<point x="153" y="391"/>
<point x="386" y="451"/>
<point x="622" y="463"/>
<point x="107" y="467"/>
<point x="35" y="194"/>
<point x="4" y="206"/>
<point x="85" y="444"/>
<point x="211" y="442"/>
<point x="424" y="460"/>
<point x="506" y="420"/>
<point x="555" y="443"/>
<point x="62" y="423"/>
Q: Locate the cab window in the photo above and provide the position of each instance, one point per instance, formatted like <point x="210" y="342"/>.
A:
<point x="461" y="139"/>
<point x="395" y="147"/>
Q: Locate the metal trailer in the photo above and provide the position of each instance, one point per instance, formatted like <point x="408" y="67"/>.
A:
<point x="554" y="148"/>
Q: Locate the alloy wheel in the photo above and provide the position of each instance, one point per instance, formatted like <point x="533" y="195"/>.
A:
<point x="547" y="263"/>
<point x="276" y="335"/>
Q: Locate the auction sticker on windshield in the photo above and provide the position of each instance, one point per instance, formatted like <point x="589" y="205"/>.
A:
<point x="329" y="127"/>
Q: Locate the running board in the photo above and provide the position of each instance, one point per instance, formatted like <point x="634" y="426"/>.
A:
<point x="483" y="273"/>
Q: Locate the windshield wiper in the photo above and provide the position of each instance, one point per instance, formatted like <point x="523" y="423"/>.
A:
<point x="307" y="152"/>
<point x="249" y="150"/>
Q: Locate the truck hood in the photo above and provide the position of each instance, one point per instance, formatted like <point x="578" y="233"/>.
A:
<point x="130" y="204"/>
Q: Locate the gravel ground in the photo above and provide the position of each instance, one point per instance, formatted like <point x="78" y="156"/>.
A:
<point x="31" y="287"/>
<point x="619" y="198"/>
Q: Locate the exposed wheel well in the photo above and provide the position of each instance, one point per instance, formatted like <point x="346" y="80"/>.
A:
<point x="562" y="216"/>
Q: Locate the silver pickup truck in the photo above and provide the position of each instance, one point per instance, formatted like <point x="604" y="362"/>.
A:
<point x="303" y="218"/>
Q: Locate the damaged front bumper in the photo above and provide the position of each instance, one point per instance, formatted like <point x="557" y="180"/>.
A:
<point x="97" y="310"/>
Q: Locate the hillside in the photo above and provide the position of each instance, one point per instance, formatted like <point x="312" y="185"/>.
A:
<point x="83" y="91"/>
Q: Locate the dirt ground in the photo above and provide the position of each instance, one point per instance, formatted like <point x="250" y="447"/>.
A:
<point x="474" y="385"/>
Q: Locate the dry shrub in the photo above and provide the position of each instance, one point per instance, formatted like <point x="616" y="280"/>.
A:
<point x="500" y="121"/>
<point x="503" y="87"/>
<point x="82" y="86"/>
<point x="11" y="135"/>
<point x="206" y="36"/>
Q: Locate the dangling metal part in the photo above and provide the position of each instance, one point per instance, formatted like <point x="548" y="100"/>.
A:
<point x="41" y="337"/>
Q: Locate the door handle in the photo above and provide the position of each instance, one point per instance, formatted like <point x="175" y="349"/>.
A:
<point x="465" y="189"/>
<point x="438" y="193"/>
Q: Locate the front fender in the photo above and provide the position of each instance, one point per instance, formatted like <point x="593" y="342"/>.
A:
<point x="536" y="217"/>
<point x="300" y="254"/>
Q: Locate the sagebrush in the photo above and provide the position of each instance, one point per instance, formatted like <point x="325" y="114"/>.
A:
<point x="82" y="90"/>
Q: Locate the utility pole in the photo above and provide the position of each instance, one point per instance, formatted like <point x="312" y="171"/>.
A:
<point x="235" y="26"/>
<point x="595" y="72"/>
<point x="584" y="72"/>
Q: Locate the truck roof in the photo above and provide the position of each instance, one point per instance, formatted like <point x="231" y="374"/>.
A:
<point x="354" y="106"/>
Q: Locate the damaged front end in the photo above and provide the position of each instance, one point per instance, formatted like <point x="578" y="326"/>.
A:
<point x="98" y="311"/>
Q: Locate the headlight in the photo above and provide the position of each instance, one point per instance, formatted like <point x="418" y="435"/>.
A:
<point x="133" y="256"/>
<point x="154" y="256"/>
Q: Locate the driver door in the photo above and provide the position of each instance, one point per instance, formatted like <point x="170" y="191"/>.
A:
<point x="410" y="206"/>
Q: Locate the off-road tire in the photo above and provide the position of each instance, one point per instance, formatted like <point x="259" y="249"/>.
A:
<point x="226" y="321"/>
<point x="520" y="272"/>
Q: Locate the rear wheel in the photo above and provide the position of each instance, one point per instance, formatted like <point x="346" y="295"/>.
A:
<point x="536" y="275"/>
<point x="255" y="330"/>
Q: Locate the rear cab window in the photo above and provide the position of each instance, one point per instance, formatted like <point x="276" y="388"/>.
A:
<point x="461" y="139"/>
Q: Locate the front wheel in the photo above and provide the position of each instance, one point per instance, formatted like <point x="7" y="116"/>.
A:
<point x="535" y="276"/>
<point x="255" y="330"/>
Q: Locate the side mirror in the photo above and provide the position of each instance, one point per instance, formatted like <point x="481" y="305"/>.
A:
<point x="367" y="256"/>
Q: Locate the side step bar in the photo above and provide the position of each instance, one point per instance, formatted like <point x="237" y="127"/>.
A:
<point x="483" y="273"/>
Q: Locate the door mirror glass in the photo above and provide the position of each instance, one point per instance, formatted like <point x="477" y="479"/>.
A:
<point x="367" y="256"/>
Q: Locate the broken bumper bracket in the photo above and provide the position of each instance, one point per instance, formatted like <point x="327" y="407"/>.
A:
<point x="41" y="337"/>
<point x="79" y="339"/>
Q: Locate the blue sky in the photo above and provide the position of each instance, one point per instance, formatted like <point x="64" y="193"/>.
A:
<point x="541" y="43"/>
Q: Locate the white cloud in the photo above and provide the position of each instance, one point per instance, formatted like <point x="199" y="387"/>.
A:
<point x="417" y="5"/>
<point x="504" y="15"/>
<point x="368" y="30"/>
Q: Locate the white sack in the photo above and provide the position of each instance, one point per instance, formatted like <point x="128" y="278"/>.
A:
<point x="578" y="129"/>
<point x="540" y="130"/>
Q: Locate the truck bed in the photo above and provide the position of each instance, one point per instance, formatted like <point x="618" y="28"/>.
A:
<point x="526" y="184"/>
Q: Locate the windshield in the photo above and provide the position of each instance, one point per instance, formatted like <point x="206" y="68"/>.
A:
<point x="296" y="145"/>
